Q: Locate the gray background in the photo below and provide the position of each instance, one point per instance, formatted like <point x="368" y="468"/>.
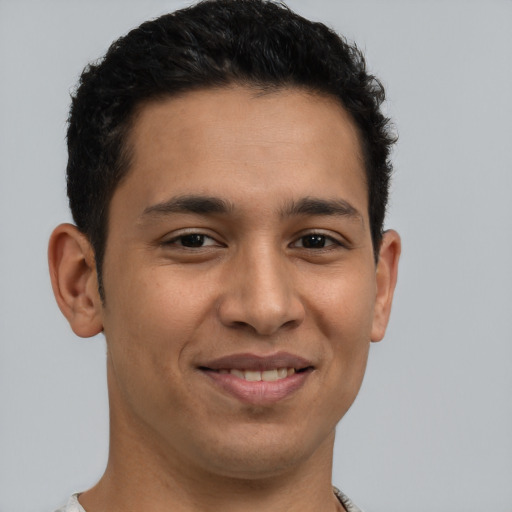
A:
<point x="432" y="427"/>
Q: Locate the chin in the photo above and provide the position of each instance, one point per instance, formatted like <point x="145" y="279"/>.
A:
<point x="256" y="454"/>
<point x="254" y="466"/>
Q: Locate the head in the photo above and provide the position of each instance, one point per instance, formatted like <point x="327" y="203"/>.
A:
<point x="254" y="43"/>
<point x="228" y="174"/>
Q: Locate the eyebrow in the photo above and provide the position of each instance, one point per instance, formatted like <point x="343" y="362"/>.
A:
<point x="317" y="206"/>
<point x="202" y="205"/>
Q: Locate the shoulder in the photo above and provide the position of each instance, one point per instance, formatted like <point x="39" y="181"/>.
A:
<point x="72" y="505"/>
<point x="346" y="501"/>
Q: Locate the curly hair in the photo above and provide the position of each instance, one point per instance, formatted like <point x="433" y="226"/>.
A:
<point x="215" y="43"/>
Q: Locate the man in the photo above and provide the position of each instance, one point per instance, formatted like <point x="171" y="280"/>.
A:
<point x="228" y="175"/>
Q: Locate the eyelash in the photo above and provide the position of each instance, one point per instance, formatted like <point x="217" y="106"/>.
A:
<point x="203" y="236"/>
<point x="331" y="241"/>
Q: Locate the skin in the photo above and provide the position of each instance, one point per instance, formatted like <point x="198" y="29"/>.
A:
<point x="255" y="283"/>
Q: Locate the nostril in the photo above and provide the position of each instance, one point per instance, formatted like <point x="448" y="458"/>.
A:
<point x="237" y="324"/>
<point x="291" y="324"/>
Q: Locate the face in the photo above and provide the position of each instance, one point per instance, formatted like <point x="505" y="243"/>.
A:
<point x="239" y="279"/>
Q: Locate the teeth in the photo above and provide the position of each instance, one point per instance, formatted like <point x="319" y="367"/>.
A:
<point x="252" y="376"/>
<point x="238" y="373"/>
<point x="282" y="373"/>
<point x="267" y="375"/>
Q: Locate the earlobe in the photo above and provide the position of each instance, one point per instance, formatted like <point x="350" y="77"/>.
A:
<point x="386" y="277"/>
<point x="74" y="279"/>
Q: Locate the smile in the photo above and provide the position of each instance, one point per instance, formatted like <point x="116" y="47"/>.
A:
<point x="258" y="380"/>
<point x="255" y="375"/>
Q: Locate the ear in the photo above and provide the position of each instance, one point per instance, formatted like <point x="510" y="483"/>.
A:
<point x="74" y="280"/>
<point x="386" y="276"/>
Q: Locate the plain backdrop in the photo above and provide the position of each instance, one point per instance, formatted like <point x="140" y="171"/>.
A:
<point x="432" y="426"/>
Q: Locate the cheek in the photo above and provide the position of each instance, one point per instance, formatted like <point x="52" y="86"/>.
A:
<point x="344" y="306"/>
<point x="152" y="299"/>
<point x="149" y="322"/>
<point x="153" y="316"/>
<point x="344" y="314"/>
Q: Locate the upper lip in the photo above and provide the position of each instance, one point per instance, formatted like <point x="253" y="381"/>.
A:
<point x="256" y="362"/>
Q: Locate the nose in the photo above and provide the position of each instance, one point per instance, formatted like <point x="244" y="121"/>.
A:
<point x="260" y="293"/>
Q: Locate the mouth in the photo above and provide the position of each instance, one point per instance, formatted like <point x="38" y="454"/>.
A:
<point x="258" y="379"/>
<point x="271" y="375"/>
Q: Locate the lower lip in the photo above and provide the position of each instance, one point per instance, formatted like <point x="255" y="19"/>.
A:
<point x="259" y="392"/>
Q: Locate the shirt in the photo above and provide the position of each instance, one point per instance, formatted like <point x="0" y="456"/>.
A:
<point x="74" y="506"/>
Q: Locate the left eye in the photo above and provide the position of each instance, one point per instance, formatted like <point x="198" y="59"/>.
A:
<point x="193" y="240"/>
<point x="315" y="241"/>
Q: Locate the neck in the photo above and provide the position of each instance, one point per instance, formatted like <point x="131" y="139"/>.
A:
<point x="145" y="473"/>
<point x="142" y="481"/>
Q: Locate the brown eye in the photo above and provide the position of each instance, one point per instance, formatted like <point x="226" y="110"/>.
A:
<point x="314" y="241"/>
<point x="192" y="240"/>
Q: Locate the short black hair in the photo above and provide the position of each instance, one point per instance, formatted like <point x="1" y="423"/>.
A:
<point x="215" y="43"/>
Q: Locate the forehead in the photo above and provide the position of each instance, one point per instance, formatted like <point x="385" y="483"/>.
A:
<point x="246" y="140"/>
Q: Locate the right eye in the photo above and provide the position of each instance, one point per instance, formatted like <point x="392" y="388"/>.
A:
<point x="192" y="241"/>
<point x="315" y="241"/>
